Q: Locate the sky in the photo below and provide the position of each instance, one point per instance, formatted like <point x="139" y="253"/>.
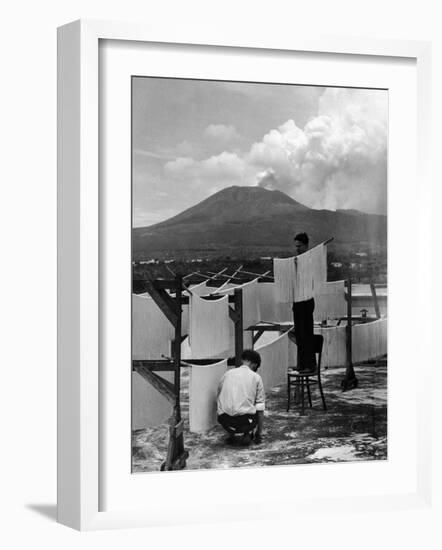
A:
<point x="325" y="147"/>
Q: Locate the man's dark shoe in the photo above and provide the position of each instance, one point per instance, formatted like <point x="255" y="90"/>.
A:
<point x="245" y="440"/>
<point x="258" y="439"/>
<point x="231" y="440"/>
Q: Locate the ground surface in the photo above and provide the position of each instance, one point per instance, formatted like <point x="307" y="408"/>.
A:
<point x="353" y="428"/>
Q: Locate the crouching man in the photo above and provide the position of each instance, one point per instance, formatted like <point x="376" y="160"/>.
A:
<point x="241" y="401"/>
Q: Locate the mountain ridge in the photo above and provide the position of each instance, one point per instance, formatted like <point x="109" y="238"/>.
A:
<point x="244" y="217"/>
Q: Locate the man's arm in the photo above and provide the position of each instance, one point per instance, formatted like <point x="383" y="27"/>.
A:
<point x="260" y="406"/>
<point x="220" y="386"/>
<point x="260" y="415"/>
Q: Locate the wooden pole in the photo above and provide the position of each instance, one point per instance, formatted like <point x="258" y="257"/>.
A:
<point x="171" y="271"/>
<point x="375" y="301"/>
<point x="239" y="342"/>
<point x="234" y="273"/>
<point x="350" y="381"/>
<point x="264" y="275"/>
<point x="210" y="278"/>
<point x="349" y="325"/>
<point x="177" y="343"/>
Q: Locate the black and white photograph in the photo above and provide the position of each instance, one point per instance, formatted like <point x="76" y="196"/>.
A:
<point x="222" y="225"/>
<point x="259" y="274"/>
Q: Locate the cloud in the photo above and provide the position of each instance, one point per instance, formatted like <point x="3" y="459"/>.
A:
<point x="337" y="160"/>
<point x="153" y="154"/>
<point x="202" y="178"/>
<point x="222" y="132"/>
<point x="267" y="179"/>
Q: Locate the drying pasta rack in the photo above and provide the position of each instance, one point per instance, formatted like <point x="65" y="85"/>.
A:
<point x="169" y="295"/>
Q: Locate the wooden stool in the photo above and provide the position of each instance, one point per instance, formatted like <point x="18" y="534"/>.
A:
<point x="299" y="380"/>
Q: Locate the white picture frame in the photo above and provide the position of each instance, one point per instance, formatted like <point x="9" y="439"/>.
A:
<point x="79" y="292"/>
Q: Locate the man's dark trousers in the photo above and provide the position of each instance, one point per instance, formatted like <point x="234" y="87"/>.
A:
<point x="240" y="424"/>
<point x="303" y="319"/>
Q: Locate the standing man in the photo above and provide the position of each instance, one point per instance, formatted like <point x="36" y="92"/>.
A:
<point x="303" y="318"/>
<point x="241" y="400"/>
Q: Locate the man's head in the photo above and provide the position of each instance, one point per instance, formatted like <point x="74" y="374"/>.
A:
<point x="301" y="243"/>
<point x="251" y="358"/>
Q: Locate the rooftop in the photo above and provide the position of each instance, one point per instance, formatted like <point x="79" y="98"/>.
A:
<point x="354" y="428"/>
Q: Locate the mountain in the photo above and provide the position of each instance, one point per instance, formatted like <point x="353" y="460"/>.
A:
<point x="253" y="218"/>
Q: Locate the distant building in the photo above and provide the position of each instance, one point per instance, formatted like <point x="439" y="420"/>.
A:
<point x="361" y="254"/>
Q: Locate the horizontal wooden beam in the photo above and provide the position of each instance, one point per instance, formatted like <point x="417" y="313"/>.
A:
<point x="199" y="362"/>
<point x="354" y="318"/>
<point x="163" y="301"/>
<point x="165" y="387"/>
<point x="230" y="277"/>
<point x="166" y="284"/>
<point x="358" y="298"/>
<point x="270" y="328"/>
<point x="154" y="365"/>
<point x="208" y="277"/>
<point x="259" y="275"/>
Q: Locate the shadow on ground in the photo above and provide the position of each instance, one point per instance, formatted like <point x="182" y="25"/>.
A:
<point x="353" y="428"/>
<point x="48" y="511"/>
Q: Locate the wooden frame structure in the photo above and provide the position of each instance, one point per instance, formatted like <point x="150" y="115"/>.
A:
<point x="350" y="380"/>
<point x="172" y="309"/>
<point x="171" y="306"/>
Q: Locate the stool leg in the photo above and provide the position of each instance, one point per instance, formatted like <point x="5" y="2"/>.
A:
<point x="288" y="393"/>
<point x="308" y="392"/>
<point x="322" y="393"/>
<point x="302" y="394"/>
<point x="296" y="393"/>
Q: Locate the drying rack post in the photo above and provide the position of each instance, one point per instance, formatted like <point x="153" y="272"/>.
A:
<point x="172" y="309"/>
<point x="236" y="316"/>
<point x="349" y="381"/>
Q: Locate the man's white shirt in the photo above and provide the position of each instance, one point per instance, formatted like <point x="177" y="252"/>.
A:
<point x="240" y="391"/>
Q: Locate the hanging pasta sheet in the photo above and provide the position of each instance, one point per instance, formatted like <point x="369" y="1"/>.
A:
<point x="250" y="308"/>
<point x="285" y="274"/>
<point x="297" y="277"/>
<point x="369" y="340"/>
<point x="251" y="311"/>
<point x="274" y="362"/>
<point x="330" y="302"/>
<point x="268" y="305"/>
<point x="209" y="327"/>
<point x="200" y="289"/>
<point x="149" y="407"/>
<point x="225" y="286"/>
<point x="334" y="350"/>
<point x="304" y="277"/>
<point x="311" y="272"/>
<point x="152" y="332"/>
<point x="250" y="300"/>
<point x="203" y="385"/>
